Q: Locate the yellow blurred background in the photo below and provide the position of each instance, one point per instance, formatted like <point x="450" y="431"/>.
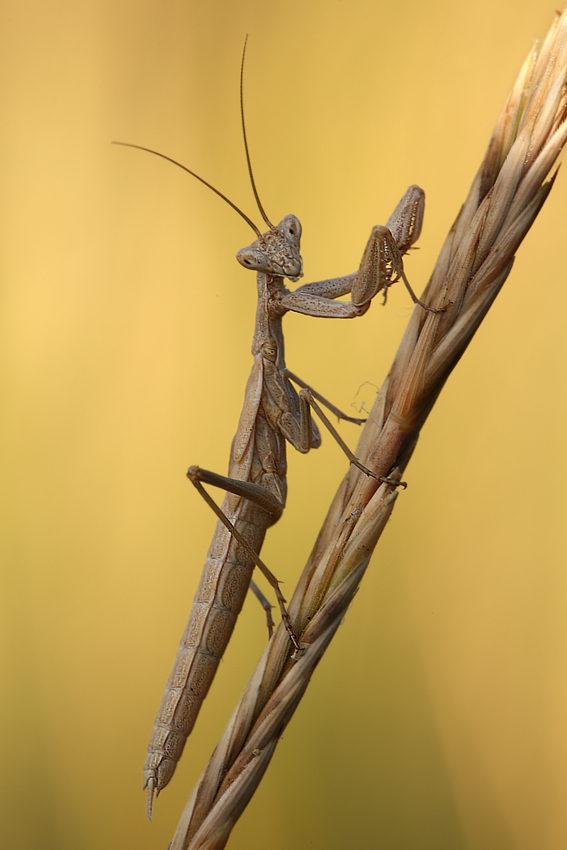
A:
<point x="437" y="720"/>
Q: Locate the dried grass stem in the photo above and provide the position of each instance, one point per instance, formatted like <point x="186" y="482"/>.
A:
<point x="505" y="198"/>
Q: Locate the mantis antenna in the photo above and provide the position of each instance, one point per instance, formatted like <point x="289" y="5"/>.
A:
<point x="209" y="185"/>
<point x="252" y="181"/>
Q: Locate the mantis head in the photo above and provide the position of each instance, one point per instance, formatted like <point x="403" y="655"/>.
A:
<point x="276" y="252"/>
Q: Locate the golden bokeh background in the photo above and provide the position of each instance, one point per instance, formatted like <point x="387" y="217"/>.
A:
<point x="437" y="720"/>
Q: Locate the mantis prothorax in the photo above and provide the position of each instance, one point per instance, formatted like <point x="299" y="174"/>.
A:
<point x="273" y="413"/>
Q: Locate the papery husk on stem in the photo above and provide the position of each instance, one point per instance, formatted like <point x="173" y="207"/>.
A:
<point x="505" y="198"/>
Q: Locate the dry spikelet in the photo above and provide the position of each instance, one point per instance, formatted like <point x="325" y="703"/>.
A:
<point x="505" y="198"/>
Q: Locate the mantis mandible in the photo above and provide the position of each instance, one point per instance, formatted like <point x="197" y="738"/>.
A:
<point x="274" y="413"/>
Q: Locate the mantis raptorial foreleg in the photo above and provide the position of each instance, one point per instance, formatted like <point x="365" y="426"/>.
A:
<point x="380" y="267"/>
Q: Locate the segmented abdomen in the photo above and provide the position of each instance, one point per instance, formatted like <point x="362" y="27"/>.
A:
<point x="218" y="601"/>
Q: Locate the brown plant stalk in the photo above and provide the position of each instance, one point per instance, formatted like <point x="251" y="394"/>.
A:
<point x="504" y="200"/>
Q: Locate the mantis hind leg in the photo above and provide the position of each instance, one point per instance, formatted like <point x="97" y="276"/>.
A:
<point x="260" y="496"/>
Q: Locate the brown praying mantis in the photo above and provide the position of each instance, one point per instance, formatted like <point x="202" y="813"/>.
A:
<point x="273" y="414"/>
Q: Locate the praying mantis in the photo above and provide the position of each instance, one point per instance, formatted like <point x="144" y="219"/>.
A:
<point x="274" y="413"/>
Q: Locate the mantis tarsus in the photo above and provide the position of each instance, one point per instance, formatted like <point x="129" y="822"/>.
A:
<point x="273" y="413"/>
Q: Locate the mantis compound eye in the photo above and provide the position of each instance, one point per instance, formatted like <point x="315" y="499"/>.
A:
<point x="290" y="228"/>
<point x="251" y="259"/>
